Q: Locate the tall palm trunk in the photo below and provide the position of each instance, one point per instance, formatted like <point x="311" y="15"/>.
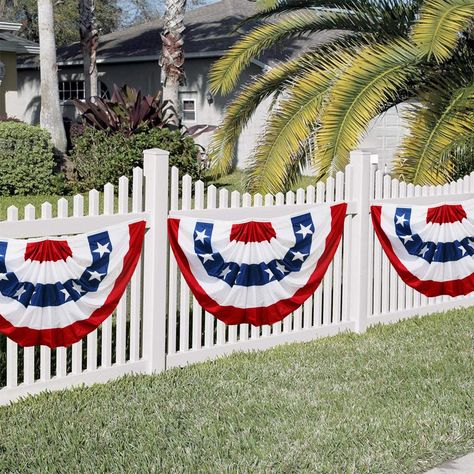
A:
<point x="89" y="43"/>
<point x="51" y="118"/>
<point x="172" y="53"/>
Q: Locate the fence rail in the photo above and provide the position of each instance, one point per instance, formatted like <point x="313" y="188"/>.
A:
<point x="159" y="324"/>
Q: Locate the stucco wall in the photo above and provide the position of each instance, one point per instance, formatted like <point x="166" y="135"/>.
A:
<point x="8" y="92"/>
<point x="383" y="136"/>
<point x="146" y="76"/>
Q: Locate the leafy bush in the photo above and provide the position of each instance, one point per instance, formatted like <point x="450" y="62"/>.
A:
<point x="100" y="157"/>
<point x="26" y="160"/>
<point x="128" y="111"/>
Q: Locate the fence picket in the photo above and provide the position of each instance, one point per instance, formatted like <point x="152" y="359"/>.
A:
<point x="346" y="246"/>
<point x="45" y="352"/>
<point x="234" y="329"/>
<point x="221" y="327"/>
<point x="94" y="198"/>
<point x="136" y="282"/>
<point x="12" y="347"/>
<point x="121" y="315"/>
<point x="106" y="346"/>
<point x="328" y="277"/>
<point x="197" y="310"/>
<point x="184" y="289"/>
<point x="385" y="263"/>
<point x="209" y="319"/>
<point x="173" y="269"/>
<point x="29" y="352"/>
<point x="393" y="294"/>
<point x="337" y="262"/>
<point x="288" y="321"/>
<point x="308" y="304"/>
<point x="61" y="352"/>
<point x="318" y="295"/>
<point x="76" y="363"/>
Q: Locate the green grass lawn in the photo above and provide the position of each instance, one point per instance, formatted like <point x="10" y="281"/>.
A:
<point x="398" y="399"/>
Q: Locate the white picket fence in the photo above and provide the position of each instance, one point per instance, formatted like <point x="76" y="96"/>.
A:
<point x="159" y="324"/>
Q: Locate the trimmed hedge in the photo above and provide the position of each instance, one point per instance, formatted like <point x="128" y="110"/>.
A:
<point x="26" y="160"/>
<point x="101" y="157"/>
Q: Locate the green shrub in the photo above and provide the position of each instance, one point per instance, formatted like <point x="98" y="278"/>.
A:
<point x="26" y="160"/>
<point x="100" y="157"/>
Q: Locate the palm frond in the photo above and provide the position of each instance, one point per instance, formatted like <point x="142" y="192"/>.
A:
<point x="225" y="72"/>
<point x="224" y="140"/>
<point x="441" y="123"/>
<point x="380" y="17"/>
<point x="437" y="31"/>
<point x="290" y="125"/>
<point x="376" y="76"/>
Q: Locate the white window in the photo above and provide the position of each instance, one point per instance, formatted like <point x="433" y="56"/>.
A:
<point x="189" y="110"/>
<point x="69" y="90"/>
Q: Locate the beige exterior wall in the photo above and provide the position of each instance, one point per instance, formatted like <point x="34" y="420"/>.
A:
<point x="8" y="88"/>
<point x="384" y="135"/>
<point x="146" y="76"/>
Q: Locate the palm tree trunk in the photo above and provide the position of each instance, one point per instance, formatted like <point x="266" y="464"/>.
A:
<point x="89" y="43"/>
<point x="51" y="118"/>
<point x="172" y="53"/>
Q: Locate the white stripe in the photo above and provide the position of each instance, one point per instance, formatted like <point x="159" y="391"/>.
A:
<point x="420" y="268"/>
<point x="70" y="312"/>
<point x="258" y="296"/>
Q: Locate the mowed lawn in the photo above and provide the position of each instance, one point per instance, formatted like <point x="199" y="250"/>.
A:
<point x="398" y="399"/>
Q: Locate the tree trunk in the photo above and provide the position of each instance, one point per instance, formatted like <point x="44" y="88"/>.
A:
<point x="172" y="54"/>
<point x="89" y="43"/>
<point x="51" y="118"/>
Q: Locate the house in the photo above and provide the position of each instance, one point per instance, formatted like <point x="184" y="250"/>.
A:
<point x="130" y="56"/>
<point x="11" y="46"/>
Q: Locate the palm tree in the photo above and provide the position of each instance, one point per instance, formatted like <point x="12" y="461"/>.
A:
<point x="172" y="54"/>
<point x="387" y="51"/>
<point x="89" y="42"/>
<point x="50" y="116"/>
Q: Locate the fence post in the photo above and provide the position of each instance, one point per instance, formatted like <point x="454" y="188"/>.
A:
<point x="360" y="161"/>
<point x="155" y="170"/>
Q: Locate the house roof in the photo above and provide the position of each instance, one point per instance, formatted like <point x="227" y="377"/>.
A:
<point x="11" y="42"/>
<point x="210" y="30"/>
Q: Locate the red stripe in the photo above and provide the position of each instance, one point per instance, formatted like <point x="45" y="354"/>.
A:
<point x="252" y="232"/>
<point x="459" y="287"/>
<point x="63" y="337"/>
<point x="268" y="314"/>
<point x="48" y="251"/>
<point x="446" y="214"/>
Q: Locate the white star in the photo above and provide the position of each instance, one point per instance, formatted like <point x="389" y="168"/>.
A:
<point x="406" y="238"/>
<point x="401" y="219"/>
<point x="206" y="257"/>
<point x="270" y="274"/>
<point x="281" y="268"/>
<point x="225" y="272"/>
<point x="462" y="249"/>
<point x="299" y="256"/>
<point x="3" y="276"/>
<point x="471" y="244"/>
<point x="65" y="293"/>
<point x="304" y="230"/>
<point x="101" y="249"/>
<point x="424" y="250"/>
<point x="77" y="288"/>
<point x="20" y="291"/>
<point x="95" y="275"/>
<point x="201" y="235"/>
